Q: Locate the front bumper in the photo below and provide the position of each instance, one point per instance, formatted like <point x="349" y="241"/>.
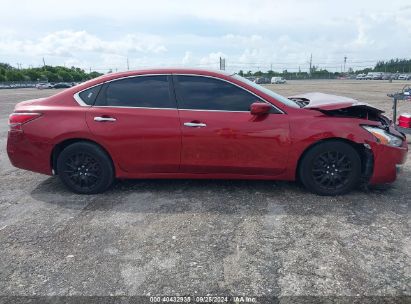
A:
<point x="387" y="162"/>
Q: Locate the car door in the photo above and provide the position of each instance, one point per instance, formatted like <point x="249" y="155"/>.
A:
<point x="219" y="134"/>
<point x="137" y="120"/>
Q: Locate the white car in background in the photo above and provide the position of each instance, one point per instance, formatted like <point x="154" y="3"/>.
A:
<point x="278" y="80"/>
<point x="42" y="86"/>
<point x="360" y="76"/>
<point x="404" y="77"/>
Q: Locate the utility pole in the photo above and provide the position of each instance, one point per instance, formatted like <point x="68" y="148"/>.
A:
<point x="345" y="61"/>
<point x="222" y="64"/>
<point x="128" y="65"/>
<point x="44" y="62"/>
<point x="311" y="63"/>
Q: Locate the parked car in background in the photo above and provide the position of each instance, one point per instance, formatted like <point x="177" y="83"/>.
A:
<point x="190" y="123"/>
<point x="278" y="80"/>
<point x="404" y="77"/>
<point x="374" y="76"/>
<point x="62" y="85"/>
<point x="386" y="76"/>
<point x="42" y="86"/>
<point x="262" y="80"/>
<point x="377" y="76"/>
<point x="360" y="76"/>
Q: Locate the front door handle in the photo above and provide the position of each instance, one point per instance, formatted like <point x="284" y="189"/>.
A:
<point x="103" y="119"/>
<point x="195" y="124"/>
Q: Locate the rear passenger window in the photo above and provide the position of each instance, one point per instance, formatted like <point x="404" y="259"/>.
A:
<point x="89" y="96"/>
<point x="141" y="91"/>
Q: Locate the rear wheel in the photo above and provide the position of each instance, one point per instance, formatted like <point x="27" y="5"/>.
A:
<point x="330" y="168"/>
<point x="85" y="168"/>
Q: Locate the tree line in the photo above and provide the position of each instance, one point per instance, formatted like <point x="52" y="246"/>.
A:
<point x="390" y="66"/>
<point x="73" y="74"/>
<point x="45" y="74"/>
<point x="316" y="73"/>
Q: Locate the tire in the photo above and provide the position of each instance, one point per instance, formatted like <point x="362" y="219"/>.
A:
<point x="85" y="168"/>
<point x="330" y="168"/>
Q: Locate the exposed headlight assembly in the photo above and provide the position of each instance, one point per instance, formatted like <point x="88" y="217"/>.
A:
<point x="384" y="137"/>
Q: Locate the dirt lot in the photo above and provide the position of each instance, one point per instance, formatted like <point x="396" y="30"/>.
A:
<point x="171" y="237"/>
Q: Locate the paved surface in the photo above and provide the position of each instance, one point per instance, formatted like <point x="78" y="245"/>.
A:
<point x="203" y="237"/>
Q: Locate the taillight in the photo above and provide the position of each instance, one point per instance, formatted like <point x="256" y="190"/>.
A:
<point x="16" y="120"/>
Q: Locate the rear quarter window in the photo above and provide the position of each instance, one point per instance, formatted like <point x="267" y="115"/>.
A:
<point x="89" y="96"/>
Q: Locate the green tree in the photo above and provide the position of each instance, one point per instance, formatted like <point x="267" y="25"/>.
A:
<point x="52" y="77"/>
<point x="94" y="74"/>
<point x="65" y="76"/>
<point x="14" y="75"/>
<point x="33" y="74"/>
<point x="5" y="66"/>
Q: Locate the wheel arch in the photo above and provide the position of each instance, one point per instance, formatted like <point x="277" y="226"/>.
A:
<point x="59" y="147"/>
<point x="366" y="156"/>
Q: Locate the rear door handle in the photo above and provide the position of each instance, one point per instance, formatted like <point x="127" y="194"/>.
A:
<point x="104" y="119"/>
<point x="195" y="124"/>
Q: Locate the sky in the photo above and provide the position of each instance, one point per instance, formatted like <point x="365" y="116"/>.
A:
<point x="250" y="35"/>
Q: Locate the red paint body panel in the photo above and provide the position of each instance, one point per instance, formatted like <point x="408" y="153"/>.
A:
<point x="385" y="161"/>
<point x="154" y="143"/>
<point x="235" y="143"/>
<point x="141" y="140"/>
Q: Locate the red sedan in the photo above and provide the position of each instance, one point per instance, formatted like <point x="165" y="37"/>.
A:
<point x="186" y="123"/>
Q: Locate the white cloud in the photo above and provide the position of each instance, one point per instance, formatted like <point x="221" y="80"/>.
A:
<point x="249" y="35"/>
<point x="188" y="58"/>
<point x="212" y="59"/>
<point x="67" y="43"/>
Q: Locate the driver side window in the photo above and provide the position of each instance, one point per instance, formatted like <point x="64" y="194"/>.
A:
<point x="205" y="93"/>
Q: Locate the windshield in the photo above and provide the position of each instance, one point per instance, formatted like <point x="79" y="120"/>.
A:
<point x="274" y="95"/>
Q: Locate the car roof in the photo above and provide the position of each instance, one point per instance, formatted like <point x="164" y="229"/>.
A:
<point x="168" y="70"/>
<point x="148" y="71"/>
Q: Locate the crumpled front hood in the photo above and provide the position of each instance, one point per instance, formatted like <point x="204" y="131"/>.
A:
<point x="328" y="102"/>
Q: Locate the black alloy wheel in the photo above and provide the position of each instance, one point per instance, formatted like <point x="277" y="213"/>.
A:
<point x="85" y="168"/>
<point x="330" y="168"/>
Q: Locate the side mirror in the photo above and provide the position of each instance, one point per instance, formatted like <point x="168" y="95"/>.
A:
<point x="260" y="108"/>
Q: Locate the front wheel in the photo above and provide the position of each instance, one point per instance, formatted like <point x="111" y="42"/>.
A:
<point x="85" y="168"/>
<point x="330" y="168"/>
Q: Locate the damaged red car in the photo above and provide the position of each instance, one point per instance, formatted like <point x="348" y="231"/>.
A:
<point x="198" y="124"/>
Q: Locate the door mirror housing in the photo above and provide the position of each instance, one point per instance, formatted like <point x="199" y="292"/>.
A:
<point x="260" y="108"/>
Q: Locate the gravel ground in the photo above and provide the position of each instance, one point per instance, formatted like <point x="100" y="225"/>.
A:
<point x="195" y="237"/>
